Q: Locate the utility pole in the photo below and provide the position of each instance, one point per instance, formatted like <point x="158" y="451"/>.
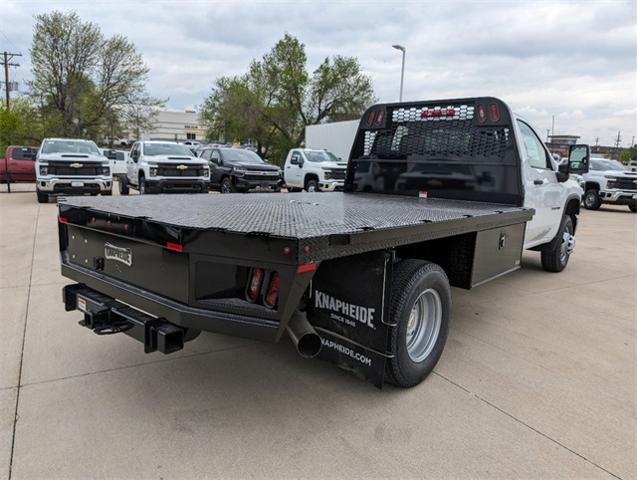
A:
<point x="552" y="124"/>
<point x="596" y="141"/>
<point x="548" y="134"/>
<point x="7" y="57"/>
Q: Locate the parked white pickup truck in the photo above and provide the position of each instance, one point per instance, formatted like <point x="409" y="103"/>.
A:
<point x="313" y="171"/>
<point x="71" y="166"/>
<point x="162" y="167"/>
<point x="608" y="181"/>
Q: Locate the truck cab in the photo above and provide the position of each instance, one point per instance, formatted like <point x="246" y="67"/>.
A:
<point x="163" y="167"/>
<point x="609" y="181"/>
<point x="314" y="171"/>
<point x="71" y="166"/>
<point x="18" y="164"/>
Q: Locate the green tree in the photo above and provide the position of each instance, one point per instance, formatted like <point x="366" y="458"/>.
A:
<point x="277" y="98"/>
<point x="17" y="126"/>
<point x="628" y="154"/>
<point x="81" y="78"/>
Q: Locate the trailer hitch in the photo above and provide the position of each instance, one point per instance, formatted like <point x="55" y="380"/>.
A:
<point x="106" y="316"/>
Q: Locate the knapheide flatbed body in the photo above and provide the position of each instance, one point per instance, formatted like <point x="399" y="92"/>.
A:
<point x="359" y="278"/>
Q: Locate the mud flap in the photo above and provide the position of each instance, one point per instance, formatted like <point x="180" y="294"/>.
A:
<point x="348" y="308"/>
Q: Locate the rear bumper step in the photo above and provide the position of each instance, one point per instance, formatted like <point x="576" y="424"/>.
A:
<point x="104" y="315"/>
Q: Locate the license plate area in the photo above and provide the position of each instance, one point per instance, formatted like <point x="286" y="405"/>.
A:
<point x="77" y="184"/>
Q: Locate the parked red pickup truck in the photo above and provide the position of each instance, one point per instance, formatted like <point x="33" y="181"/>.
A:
<point x="18" y="164"/>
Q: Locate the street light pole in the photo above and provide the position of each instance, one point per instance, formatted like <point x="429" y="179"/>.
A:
<point x="402" y="70"/>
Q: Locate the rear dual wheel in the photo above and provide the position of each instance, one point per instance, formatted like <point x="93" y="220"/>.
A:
<point x="420" y="307"/>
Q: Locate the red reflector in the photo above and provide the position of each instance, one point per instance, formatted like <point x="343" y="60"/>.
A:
<point x="482" y="115"/>
<point x="255" y="284"/>
<point x="425" y="113"/>
<point x="451" y="112"/>
<point x="493" y="110"/>
<point x="273" y="291"/>
<point x="62" y="220"/>
<point x="307" y="267"/>
<point x="175" y="247"/>
<point x="370" y="119"/>
<point x="437" y="113"/>
<point x="379" y="119"/>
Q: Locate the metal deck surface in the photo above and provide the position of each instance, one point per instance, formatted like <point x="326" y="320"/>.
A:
<point x="292" y="215"/>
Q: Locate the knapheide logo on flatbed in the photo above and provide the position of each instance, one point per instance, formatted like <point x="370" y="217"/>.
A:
<point x="361" y="314"/>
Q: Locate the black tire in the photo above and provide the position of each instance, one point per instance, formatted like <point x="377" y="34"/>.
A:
<point x="226" y="185"/>
<point x="141" y="184"/>
<point x="42" y="197"/>
<point x="592" y="200"/>
<point x="633" y="208"/>
<point x="556" y="259"/>
<point x="123" y="186"/>
<point x="412" y="279"/>
<point x="294" y="189"/>
<point x="312" y="185"/>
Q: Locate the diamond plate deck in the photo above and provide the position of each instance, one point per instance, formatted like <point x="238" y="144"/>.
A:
<point x="292" y="215"/>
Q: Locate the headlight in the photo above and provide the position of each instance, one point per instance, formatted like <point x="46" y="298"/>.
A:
<point x="152" y="171"/>
<point x="327" y="174"/>
<point x="206" y="172"/>
<point x="106" y="171"/>
<point x="239" y="172"/>
<point x="44" y="170"/>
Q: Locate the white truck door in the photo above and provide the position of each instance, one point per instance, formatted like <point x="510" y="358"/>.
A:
<point x="541" y="188"/>
<point x="293" y="169"/>
<point x="131" y="164"/>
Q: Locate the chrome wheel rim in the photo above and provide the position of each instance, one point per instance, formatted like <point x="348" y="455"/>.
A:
<point x="311" y="187"/>
<point x="568" y="245"/>
<point x="142" y="188"/>
<point x="423" y="326"/>
<point x="589" y="199"/>
<point x="225" y="188"/>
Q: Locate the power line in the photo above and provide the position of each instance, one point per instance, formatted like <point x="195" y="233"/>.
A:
<point x="7" y="58"/>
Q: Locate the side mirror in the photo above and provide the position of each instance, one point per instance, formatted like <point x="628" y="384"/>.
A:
<point x="578" y="159"/>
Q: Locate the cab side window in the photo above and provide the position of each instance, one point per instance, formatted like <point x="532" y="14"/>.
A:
<point x="134" y="154"/>
<point x="206" y="154"/>
<point x="215" y="157"/>
<point x="296" y="158"/>
<point x="534" y="152"/>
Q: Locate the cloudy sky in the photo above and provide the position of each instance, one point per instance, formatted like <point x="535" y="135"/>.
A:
<point x="576" y="61"/>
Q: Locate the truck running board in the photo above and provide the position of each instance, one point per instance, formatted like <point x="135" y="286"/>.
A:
<point x="106" y="316"/>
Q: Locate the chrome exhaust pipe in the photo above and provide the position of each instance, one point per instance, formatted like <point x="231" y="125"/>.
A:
<point x="303" y="335"/>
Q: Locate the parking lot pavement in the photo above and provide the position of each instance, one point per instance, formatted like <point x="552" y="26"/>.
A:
<point x="538" y="379"/>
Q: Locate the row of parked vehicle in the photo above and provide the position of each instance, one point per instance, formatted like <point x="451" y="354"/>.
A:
<point x="75" y="166"/>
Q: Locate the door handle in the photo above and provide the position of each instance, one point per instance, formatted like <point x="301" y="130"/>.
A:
<point x="538" y="182"/>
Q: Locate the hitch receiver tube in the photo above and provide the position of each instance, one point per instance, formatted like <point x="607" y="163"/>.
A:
<point x="303" y="335"/>
<point x="104" y="316"/>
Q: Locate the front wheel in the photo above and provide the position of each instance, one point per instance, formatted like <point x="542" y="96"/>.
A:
<point x="420" y="307"/>
<point x="42" y="197"/>
<point x="312" y="186"/>
<point x="556" y="258"/>
<point x="226" y="186"/>
<point x="143" y="190"/>
<point x="592" y="200"/>
<point x="123" y="186"/>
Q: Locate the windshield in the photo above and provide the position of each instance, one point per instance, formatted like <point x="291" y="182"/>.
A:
<point x="603" y="164"/>
<point x="235" y="155"/>
<point x="153" y="149"/>
<point x="320" y="156"/>
<point x="70" y="146"/>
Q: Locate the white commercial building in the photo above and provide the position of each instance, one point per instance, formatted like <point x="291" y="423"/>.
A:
<point x="176" y="126"/>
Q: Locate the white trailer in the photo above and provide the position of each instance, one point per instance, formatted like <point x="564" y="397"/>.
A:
<point x="336" y="137"/>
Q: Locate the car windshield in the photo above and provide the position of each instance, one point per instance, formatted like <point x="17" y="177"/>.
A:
<point x="604" y="164"/>
<point x="70" y="146"/>
<point x="153" y="149"/>
<point x="235" y="155"/>
<point x="320" y="156"/>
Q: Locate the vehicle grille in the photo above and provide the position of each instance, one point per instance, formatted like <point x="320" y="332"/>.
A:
<point x="338" y="174"/>
<point x="65" y="169"/>
<point x="255" y="177"/>
<point x="170" y="171"/>
<point x="627" y="183"/>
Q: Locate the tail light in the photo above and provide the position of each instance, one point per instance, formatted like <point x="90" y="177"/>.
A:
<point x="254" y="284"/>
<point x="482" y="115"/>
<point x="493" y="112"/>
<point x="273" y="291"/>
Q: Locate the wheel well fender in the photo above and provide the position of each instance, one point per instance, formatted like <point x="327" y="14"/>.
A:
<point x="572" y="208"/>
<point x="591" y="186"/>
<point x="310" y="176"/>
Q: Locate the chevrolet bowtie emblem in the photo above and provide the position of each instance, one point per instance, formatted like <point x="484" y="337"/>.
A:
<point x="76" y="165"/>
<point x="182" y="167"/>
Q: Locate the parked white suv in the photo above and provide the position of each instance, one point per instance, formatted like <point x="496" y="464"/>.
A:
<point x="314" y="171"/>
<point x="608" y="181"/>
<point x="71" y="166"/>
<point x="161" y="167"/>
